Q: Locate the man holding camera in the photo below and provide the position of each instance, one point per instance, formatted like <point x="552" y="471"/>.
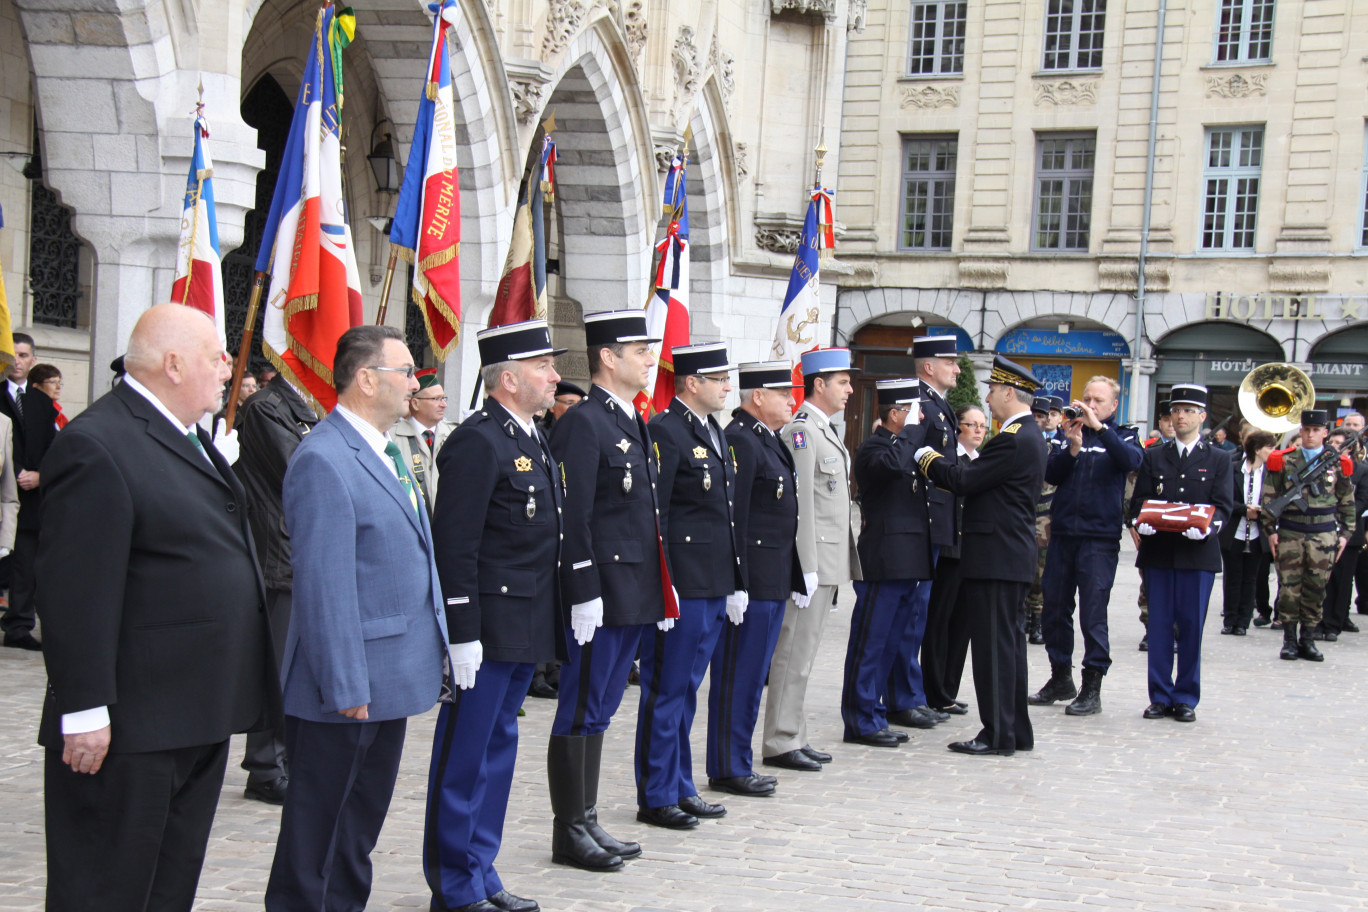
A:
<point x="1085" y="541"/>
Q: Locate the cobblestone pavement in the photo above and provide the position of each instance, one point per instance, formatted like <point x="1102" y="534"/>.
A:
<point x="1259" y="805"/>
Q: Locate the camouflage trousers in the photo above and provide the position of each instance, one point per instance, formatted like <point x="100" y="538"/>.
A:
<point x="1304" y="564"/>
<point x="1142" y="601"/>
<point x="1035" y="597"/>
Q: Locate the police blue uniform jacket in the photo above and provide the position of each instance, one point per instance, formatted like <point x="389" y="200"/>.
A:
<point x="497" y="539"/>
<point x="696" y="501"/>
<point x="765" y="510"/>
<point x="611" y="550"/>
<point x="895" y="538"/>
<point x="1202" y="478"/>
<point x="1092" y="484"/>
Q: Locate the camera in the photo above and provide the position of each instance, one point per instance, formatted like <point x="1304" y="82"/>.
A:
<point x="1072" y="412"/>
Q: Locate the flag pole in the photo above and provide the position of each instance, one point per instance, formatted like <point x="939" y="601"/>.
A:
<point x="244" y="349"/>
<point x="385" y="288"/>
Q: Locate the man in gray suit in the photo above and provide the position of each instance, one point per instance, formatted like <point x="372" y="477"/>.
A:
<point x="367" y="635"/>
<point x="826" y="551"/>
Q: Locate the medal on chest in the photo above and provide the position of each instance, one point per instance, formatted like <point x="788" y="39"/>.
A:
<point x="531" y="508"/>
<point x="627" y="479"/>
<point x="779" y="489"/>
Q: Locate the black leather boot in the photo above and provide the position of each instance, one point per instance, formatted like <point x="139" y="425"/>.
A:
<point x="593" y="755"/>
<point x="1289" y="646"/>
<point x="1306" y="649"/>
<point x="1034" y="635"/>
<point x="1059" y="687"/>
<point x="571" y="843"/>
<point x="1089" y="700"/>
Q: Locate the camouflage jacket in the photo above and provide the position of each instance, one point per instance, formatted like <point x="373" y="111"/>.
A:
<point x="1329" y="499"/>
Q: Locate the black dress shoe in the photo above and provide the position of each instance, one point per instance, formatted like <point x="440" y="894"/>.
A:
<point x="1240" y="631"/>
<point x="937" y="714"/>
<point x="1350" y="627"/>
<point x="700" y="808"/>
<point x="755" y="786"/>
<point x="510" y="903"/>
<point x="671" y="817"/>
<point x="271" y="791"/>
<point x="793" y="760"/>
<point x="1330" y="636"/>
<point x="1156" y="711"/>
<point x="903" y="737"/>
<point x="881" y="738"/>
<point x="911" y="718"/>
<point x="814" y="754"/>
<point x="1183" y="713"/>
<point x="1227" y="630"/>
<point x="479" y="905"/>
<point x="955" y="709"/>
<point x="23" y="640"/>
<point x="1262" y="620"/>
<point x="541" y="689"/>
<point x="979" y="749"/>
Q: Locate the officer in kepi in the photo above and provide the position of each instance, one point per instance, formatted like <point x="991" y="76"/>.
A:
<point x="1179" y="568"/>
<point x="497" y="537"/>
<point x="614" y="576"/>
<point x="765" y="510"/>
<point x="895" y="557"/>
<point x="696" y="482"/>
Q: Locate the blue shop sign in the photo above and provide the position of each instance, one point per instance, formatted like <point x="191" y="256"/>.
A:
<point x="1080" y="343"/>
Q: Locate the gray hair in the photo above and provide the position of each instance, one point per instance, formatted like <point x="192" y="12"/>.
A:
<point x="491" y="374"/>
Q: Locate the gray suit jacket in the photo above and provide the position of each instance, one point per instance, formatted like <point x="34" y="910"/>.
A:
<point x="367" y="626"/>
<point x="826" y="529"/>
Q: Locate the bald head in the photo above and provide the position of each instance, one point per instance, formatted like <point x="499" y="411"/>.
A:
<point x="174" y="351"/>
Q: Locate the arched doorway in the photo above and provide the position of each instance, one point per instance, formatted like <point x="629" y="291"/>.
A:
<point x="1339" y="369"/>
<point x="1066" y="351"/>
<point x="1202" y="353"/>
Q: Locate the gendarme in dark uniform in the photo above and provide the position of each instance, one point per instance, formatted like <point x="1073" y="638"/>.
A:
<point x="614" y="577"/>
<point x="895" y="557"/>
<point x="696" y="480"/>
<point x="1000" y="489"/>
<point x="496" y="534"/>
<point x="765" y="510"/>
<point x="1180" y="568"/>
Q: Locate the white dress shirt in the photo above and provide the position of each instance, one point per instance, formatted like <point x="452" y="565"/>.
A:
<point x="371" y="434"/>
<point x="1251" y="483"/>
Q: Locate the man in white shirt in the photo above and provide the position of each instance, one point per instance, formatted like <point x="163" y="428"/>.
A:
<point x="420" y="433"/>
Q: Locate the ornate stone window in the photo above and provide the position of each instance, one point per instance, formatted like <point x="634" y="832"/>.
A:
<point x="1073" y="34"/>
<point x="928" y="181"/>
<point x="54" y="260"/>
<point x="1363" y="199"/>
<point x="1063" y="191"/>
<point x="936" y="38"/>
<point x="1244" y="31"/>
<point x="1234" y="160"/>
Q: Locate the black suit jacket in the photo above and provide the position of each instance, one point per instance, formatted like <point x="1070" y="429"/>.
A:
<point x="148" y="588"/>
<point x="766" y="510"/>
<point x="1238" y="494"/>
<point x="1203" y="478"/>
<point x="496" y="536"/>
<point x="895" y="534"/>
<point x="1000" y="488"/>
<point x="33" y="434"/>
<point x="696" y="500"/>
<point x="942" y="432"/>
<point x="612" y="544"/>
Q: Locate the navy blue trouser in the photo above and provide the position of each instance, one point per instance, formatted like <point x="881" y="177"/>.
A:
<point x="1176" y="597"/>
<point x="672" y="666"/>
<point x="882" y="611"/>
<point x="474" y="747"/>
<point x="1087" y="566"/>
<point x="736" y="684"/>
<point x="905" y="688"/>
<point x="593" y="679"/>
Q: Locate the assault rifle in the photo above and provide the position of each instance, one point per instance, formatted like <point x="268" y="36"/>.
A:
<point x="1311" y="473"/>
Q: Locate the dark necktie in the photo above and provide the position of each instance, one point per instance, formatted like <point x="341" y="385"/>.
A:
<point x="19" y="402"/>
<point x="428" y="437"/>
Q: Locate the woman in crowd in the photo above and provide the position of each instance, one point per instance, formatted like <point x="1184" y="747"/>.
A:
<point x="47" y="379"/>
<point x="1242" y="547"/>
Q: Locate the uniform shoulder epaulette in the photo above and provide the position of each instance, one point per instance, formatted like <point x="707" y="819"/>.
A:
<point x="1277" y="459"/>
<point x="1011" y="429"/>
<point x="799" y="416"/>
<point x="758" y="429"/>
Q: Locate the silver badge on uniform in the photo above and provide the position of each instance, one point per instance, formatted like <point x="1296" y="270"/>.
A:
<point x="627" y="480"/>
<point x="531" y="509"/>
<point x="707" y="479"/>
<point x="779" y="490"/>
<point x="1159" y="488"/>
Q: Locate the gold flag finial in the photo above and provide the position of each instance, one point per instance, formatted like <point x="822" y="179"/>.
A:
<point x="549" y="125"/>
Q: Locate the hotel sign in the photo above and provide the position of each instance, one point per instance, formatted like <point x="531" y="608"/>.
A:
<point x="1265" y="306"/>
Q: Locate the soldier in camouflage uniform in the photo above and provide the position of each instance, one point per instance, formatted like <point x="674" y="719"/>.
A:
<point x="1306" y="541"/>
<point x="1049" y="413"/>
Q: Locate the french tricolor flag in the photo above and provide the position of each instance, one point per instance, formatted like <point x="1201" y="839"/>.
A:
<point x="797" y="330"/>
<point x="199" y="276"/>
<point x="667" y="311"/>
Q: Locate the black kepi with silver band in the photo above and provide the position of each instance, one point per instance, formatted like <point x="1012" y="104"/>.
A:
<point x="898" y="392"/>
<point x="764" y="375"/>
<point x="934" y="347"/>
<point x="704" y="358"/>
<point x="515" y="342"/>
<point x="1188" y="394"/>
<point x="612" y="327"/>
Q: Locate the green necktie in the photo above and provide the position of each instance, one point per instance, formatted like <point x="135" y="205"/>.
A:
<point x="194" y="438"/>
<point x="392" y="451"/>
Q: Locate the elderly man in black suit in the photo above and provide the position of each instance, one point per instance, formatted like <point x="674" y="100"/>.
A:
<point x="1000" y="489"/>
<point x="158" y="648"/>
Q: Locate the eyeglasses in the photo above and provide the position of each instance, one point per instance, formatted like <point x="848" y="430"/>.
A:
<point x="410" y="372"/>
<point x="723" y="379"/>
<point x="431" y="398"/>
<point x="974" y="425"/>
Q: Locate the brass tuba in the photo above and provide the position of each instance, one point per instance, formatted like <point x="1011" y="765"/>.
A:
<point x="1272" y="397"/>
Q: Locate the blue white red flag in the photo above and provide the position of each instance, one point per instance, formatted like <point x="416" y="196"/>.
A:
<point x="797" y="329"/>
<point x="199" y="271"/>
<point x="522" y="289"/>
<point x="667" y="311"/>
<point x="427" y="217"/>
<point x="315" y="292"/>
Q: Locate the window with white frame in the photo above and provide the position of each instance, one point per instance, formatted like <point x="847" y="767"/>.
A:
<point x="1234" y="159"/>
<point x="1363" y="198"/>
<point x="928" y="210"/>
<point x="1063" y="197"/>
<point x="1244" y="31"/>
<point x="1073" y="34"/>
<point x="936" y="38"/>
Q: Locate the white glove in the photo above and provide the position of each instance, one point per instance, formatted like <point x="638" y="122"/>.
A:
<point x="465" y="661"/>
<point x="4" y="552"/>
<point x="1145" y="529"/>
<point x="584" y="618"/>
<point x="665" y="624"/>
<point x="736" y="606"/>
<point x="917" y="456"/>
<point x="226" y="442"/>
<point x="810" y="583"/>
<point x="1195" y="534"/>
